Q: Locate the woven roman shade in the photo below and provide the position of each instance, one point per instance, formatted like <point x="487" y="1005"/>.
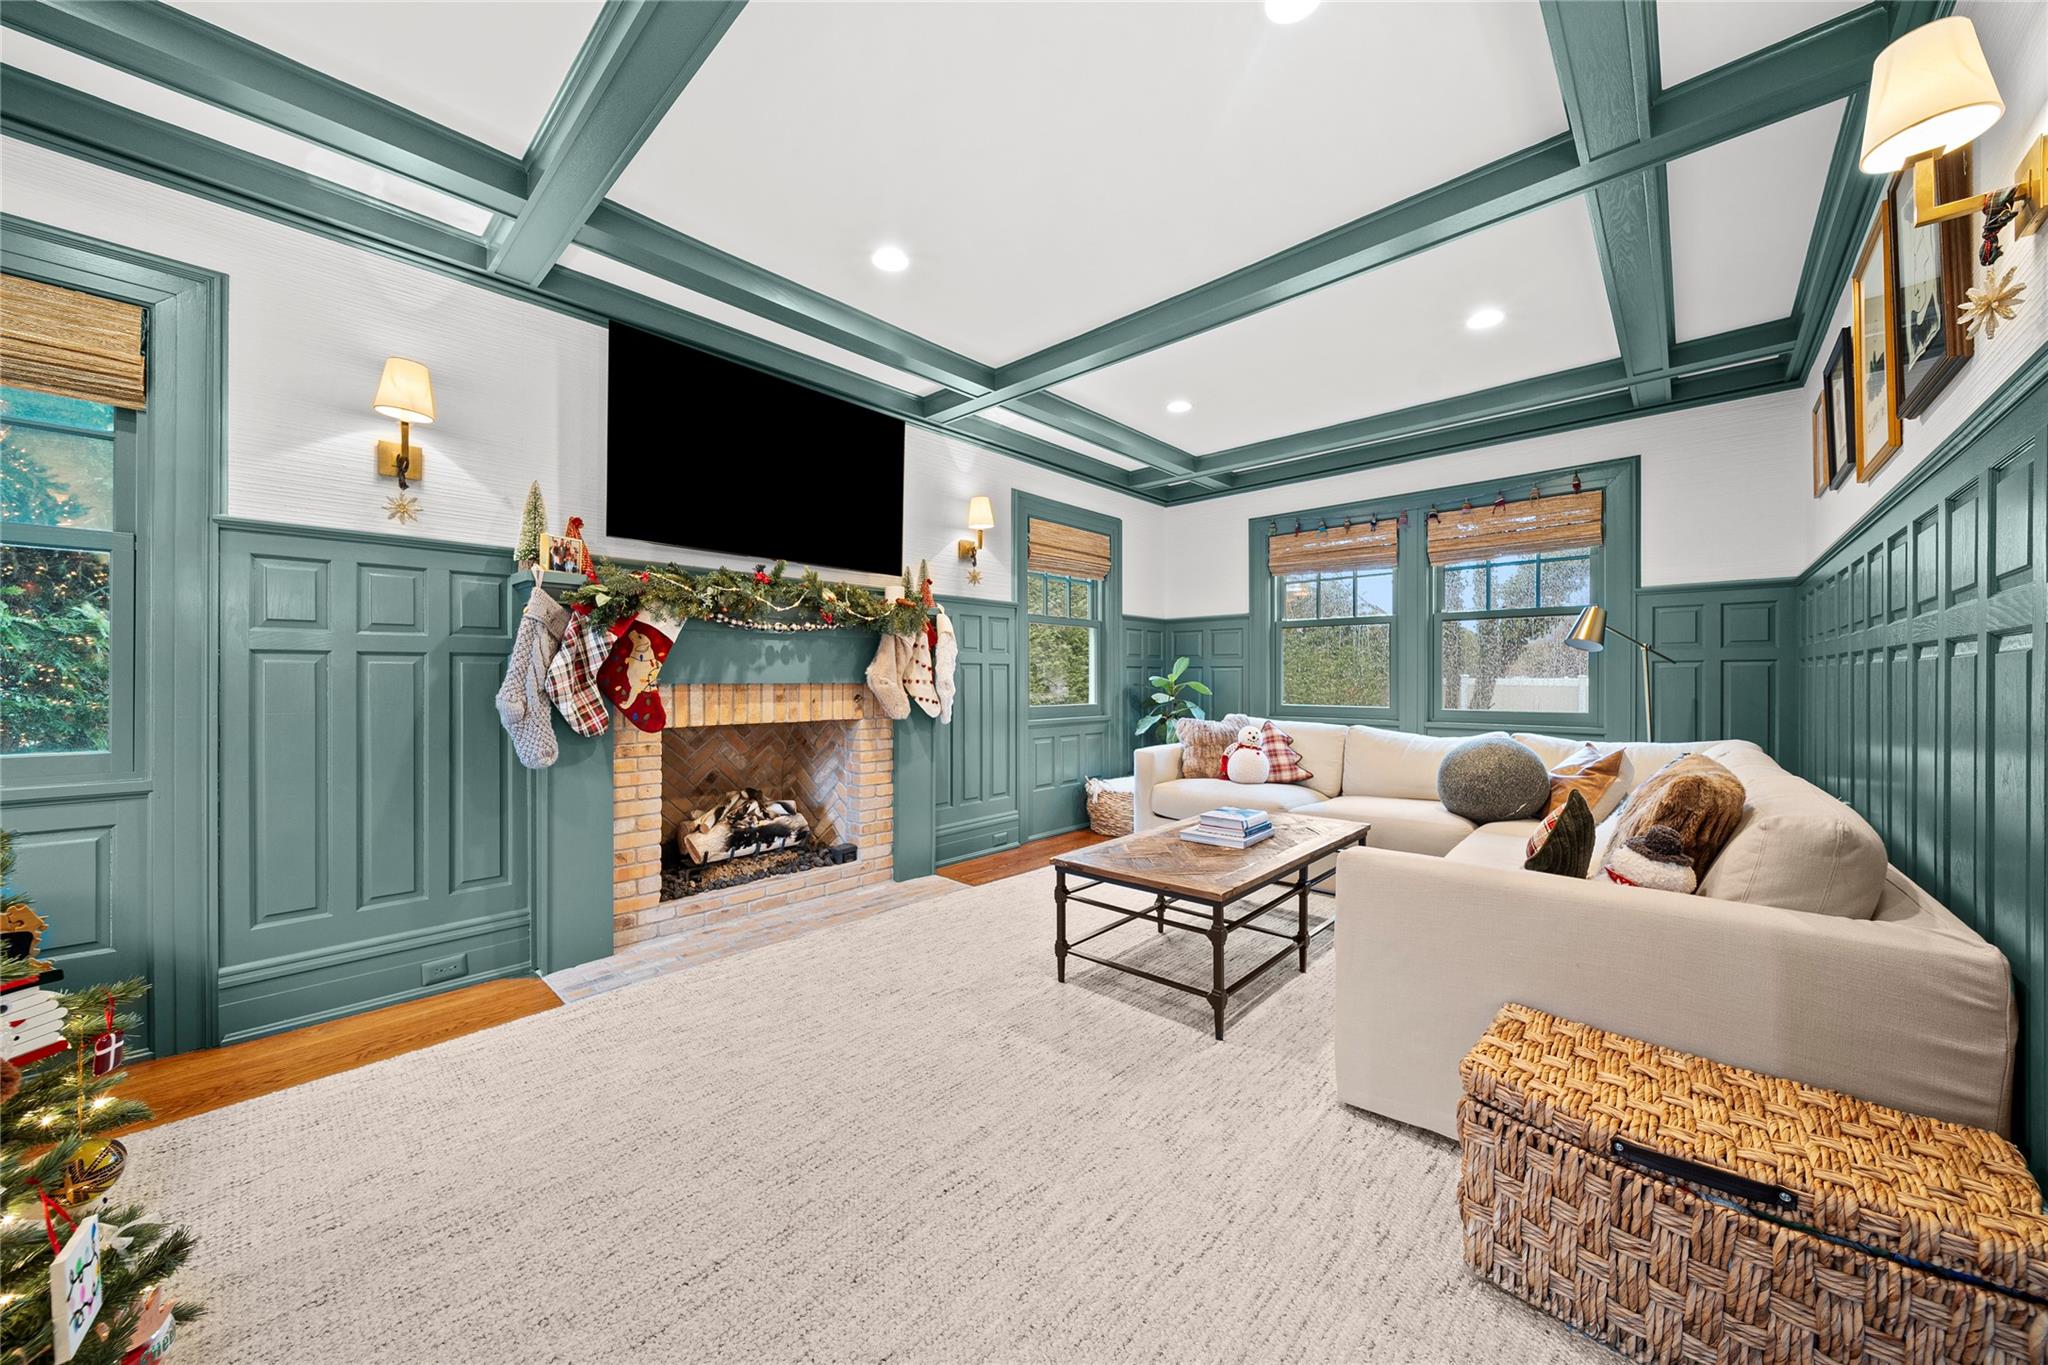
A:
<point x="74" y="345"/>
<point x="1566" y="521"/>
<point x="1355" y="547"/>
<point x="1068" y="550"/>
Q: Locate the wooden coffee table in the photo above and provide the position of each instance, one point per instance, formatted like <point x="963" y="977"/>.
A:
<point x="1184" y="876"/>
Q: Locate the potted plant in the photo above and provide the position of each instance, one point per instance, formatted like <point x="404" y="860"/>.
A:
<point x="1173" y="697"/>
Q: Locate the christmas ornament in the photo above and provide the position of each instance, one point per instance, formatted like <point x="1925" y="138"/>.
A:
<point x="110" y="1047"/>
<point x="402" y="508"/>
<point x="74" y="1280"/>
<point x="154" y="1331"/>
<point x="10" y="1080"/>
<point x="1990" y="301"/>
<point x="973" y="575"/>
<point x="99" y="1164"/>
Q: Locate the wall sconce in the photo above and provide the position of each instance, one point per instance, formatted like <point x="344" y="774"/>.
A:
<point x="1932" y="92"/>
<point x="981" y="519"/>
<point x="406" y="395"/>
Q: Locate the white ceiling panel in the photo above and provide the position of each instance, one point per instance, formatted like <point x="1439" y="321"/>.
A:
<point x="654" y="287"/>
<point x="1741" y="215"/>
<point x="258" y="139"/>
<point x="1385" y="340"/>
<point x="1051" y="167"/>
<point x="488" y="68"/>
<point x="1696" y="36"/>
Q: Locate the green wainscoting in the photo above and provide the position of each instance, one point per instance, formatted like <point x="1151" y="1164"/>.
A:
<point x="1143" y="656"/>
<point x="975" y="784"/>
<point x="1922" y="639"/>
<point x="1734" y="661"/>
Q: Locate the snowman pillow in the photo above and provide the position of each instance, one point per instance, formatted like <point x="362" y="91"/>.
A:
<point x="1264" y="753"/>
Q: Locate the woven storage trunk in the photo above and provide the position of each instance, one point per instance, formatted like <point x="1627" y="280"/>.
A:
<point x="1109" y="804"/>
<point x="1681" y="1210"/>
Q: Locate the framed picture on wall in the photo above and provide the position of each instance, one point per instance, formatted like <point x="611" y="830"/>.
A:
<point x="1933" y="274"/>
<point x="1874" y="308"/>
<point x="1837" y="390"/>
<point x="1823" y="442"/>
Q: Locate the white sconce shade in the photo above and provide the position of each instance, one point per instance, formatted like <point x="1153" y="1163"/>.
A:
<point x="406" y="392"/>
<point x="1930" y="91"/>
<point x="981" y="516"/>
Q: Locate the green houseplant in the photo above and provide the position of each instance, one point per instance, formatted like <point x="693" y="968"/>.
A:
<point x="1173" y="697"/>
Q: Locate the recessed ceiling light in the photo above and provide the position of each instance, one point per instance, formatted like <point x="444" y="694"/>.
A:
<point x="1484" y="319"/>
<point x="1290" y="11"/>
<point x="893" y="259"/>
<point x="1179" y="406"/>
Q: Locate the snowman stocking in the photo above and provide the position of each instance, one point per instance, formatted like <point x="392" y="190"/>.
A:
<point x="628" y="676"/>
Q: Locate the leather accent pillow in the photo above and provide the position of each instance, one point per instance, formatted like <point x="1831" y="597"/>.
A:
<point x="1204" y="742"/>
<point x="1596" y="776"/>
<point x="1698" y="798"/>
<point x="1563" y="843"/>
<point x="1282" y="763"/>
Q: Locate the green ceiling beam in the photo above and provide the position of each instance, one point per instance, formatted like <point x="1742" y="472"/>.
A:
<point x="1607" y="71"/>
<point x="171" y="48"/>
<point x="636" y="61"/>
<point x="1524" y="400"/>
<point x="1824" y="64"/>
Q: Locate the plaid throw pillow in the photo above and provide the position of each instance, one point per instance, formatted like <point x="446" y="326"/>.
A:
<point x="1283" y="764"/>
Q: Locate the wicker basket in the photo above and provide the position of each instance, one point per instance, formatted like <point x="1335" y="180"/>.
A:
<point x="1109" y="804"/>
<point x="1682" y="1210"/>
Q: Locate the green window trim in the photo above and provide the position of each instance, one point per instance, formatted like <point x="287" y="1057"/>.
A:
<point x="1053" y="605"/>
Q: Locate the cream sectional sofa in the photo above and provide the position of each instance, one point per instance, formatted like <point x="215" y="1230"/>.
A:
<point x="1803" y="954"/>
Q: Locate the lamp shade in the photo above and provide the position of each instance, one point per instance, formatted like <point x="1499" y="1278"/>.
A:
<point x="1930" y="91"/>
<point x="981" y="516"/>
<point x="1589" y="632"/>
<point x="406" y="392"/>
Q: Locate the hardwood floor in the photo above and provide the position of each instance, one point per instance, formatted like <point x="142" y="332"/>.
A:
<point x="1023" y="858"/>
<point x="194" y="1082"/>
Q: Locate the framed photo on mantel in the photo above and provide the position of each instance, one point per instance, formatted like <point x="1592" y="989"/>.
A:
<point x="1874" y="308"/>
<point x="1933" y="274"/>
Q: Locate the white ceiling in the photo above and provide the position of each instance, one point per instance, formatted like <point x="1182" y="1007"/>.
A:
<point x="1388" y="339"/>
<point x="488" y="68"/>
<point x="1051" y="167"/>
<point x="1742" y="213"/>
<point x="1696" y="36"/>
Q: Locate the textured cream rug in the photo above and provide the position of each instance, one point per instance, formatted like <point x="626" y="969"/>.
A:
<point x="896" y="1140"/>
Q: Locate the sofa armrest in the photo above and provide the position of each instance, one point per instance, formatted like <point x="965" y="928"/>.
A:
<point x="1151" y="765"/>
<point x="1427" y="951"/>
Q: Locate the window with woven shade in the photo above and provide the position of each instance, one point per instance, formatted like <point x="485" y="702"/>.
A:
<point x="71" y="344"/>
<point x="1063" y="611"/>
<point x="1510" y="579"/>
<point x="1336" y="613"/>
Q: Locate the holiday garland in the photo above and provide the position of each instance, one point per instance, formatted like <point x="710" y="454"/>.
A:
<point x="766" y="599"/>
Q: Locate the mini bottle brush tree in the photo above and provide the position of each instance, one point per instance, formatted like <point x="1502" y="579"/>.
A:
<point x="1173" y="698"/>
<point x="53" y="1142"/>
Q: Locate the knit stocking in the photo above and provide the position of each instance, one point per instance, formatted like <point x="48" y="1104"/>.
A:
<point x="521" y="704"/>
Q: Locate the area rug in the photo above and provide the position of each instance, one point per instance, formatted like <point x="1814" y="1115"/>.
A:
<point x="896" y="1140"/>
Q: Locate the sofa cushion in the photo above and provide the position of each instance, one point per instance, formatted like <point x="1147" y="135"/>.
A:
<point x="1644" y="758"/>
<point x="1393" y="763"/>
<point x="1204" y="742"/>
<point x="1403" y="824"/>
<point x="1492" y="777"/>
<point x="1699" y="800"/>
<point x="1796" y="847"/>
<point x="1283" y="760"/>
<point x="1190" y="796"/>
<point x="1563" y="842"/>
<point x="1503" y="844"/>
<point x="1601" y="778"/>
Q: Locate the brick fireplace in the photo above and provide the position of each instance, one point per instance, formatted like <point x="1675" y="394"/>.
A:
<point x="823" y="745"/>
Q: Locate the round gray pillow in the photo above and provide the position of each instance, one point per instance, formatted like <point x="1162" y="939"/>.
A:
<point x="1492" y="777"/>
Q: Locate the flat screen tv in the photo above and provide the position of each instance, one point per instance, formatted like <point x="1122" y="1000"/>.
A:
<point x="706" y="454"/>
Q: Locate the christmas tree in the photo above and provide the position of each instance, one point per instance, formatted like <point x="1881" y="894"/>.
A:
<point x="533" y="524"/>
<point x="56" y="1165"/>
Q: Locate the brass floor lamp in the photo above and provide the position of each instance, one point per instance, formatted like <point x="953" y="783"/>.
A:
<point x="1589" y="633"/>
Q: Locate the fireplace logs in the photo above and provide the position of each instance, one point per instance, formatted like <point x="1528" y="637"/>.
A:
<point x="741" y="825"/>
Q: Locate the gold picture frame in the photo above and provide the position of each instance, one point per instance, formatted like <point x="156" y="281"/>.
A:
<point x="1873" y="295"/>
<point x="1822" y="441"/>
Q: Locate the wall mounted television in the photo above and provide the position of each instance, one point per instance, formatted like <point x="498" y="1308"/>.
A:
<point x="706" y="454"/>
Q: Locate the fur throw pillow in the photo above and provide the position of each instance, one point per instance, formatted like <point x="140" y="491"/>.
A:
<point x="1699" y="799"/>
<point x="1204" y="742"/>
<point x="1593" y="773"/>
<point x="1563" y="843"/>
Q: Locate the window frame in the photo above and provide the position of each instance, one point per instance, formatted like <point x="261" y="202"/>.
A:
<point x="1093" y="622"/>
<point x="1439" y="617"/>
<point x="1282" y="623"/>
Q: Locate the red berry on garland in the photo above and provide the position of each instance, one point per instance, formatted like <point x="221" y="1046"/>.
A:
<point x="642" y="575"/>
<point x="761" y="576"/>
<point x="826" y="617"/>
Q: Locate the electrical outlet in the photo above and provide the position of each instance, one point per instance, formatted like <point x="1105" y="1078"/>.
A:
<point x="447" y="969"/>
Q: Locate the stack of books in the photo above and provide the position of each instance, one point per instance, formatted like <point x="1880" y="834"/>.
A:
<point x="1230" y="827"/>
<point x="31" y="1020"/>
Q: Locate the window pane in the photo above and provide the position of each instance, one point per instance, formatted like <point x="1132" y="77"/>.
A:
<point x="52" y="411"/>
<point x="1298" y="598"/>
<point x="56" y="478"/>
<point x="1060" y="671"/>
<point x="1567" y="582"/>
<point x="1333" y="597"/>
<point x="54" y="684"/>
<point x="1055" y="597"/>
<point x="1514" y="586"/>
<point x="1335" y="665"/>
<point x="1516" y="664"/>
<point x="1376" y="594"/>
<point x="1082" y="596"/>
<point x="1465" y="588"/>
<point x="1034" y="593"/>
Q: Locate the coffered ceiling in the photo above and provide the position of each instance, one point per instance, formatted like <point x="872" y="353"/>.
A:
<point x="1177" y="249"/>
